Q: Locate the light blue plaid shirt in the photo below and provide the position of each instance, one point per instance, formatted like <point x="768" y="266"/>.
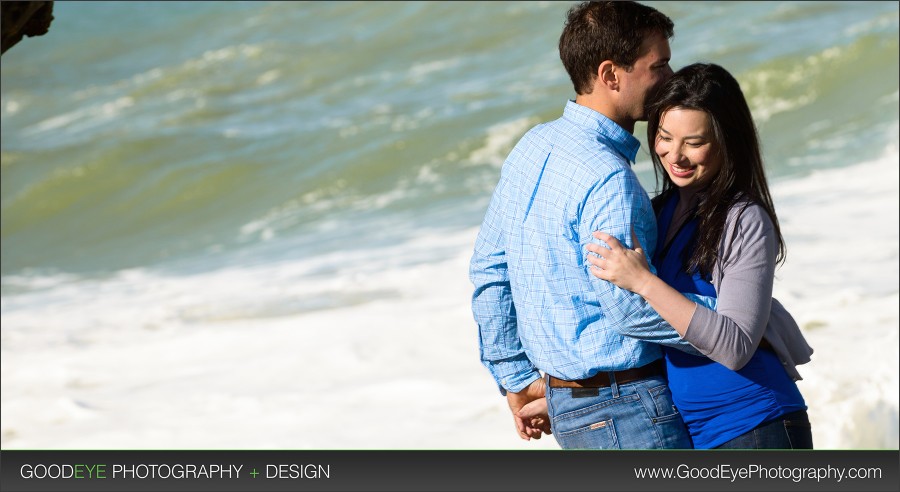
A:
<point x="536" y="303"/>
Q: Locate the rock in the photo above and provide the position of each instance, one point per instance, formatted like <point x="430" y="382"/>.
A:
<point x="24" y="19"/>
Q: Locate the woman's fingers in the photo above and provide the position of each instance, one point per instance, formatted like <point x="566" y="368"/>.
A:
<point x="598" y="266"/>
<point x="606" y="238"/>
<point x="596" y="248"/>
<point x="601" y="273"/>
<point x="601" y="262"/>
<point x="635" y="240"/>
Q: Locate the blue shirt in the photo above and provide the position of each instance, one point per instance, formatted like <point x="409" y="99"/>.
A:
<point x="536" y="303"/>
<point x="718" y="404"/>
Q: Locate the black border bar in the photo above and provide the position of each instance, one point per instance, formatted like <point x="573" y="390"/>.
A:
<point x="408" y="470"/>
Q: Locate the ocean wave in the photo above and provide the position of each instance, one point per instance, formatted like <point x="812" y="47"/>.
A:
<point x="282" y="316"/>
<point x="419" y="72"/>
<point x="499" y="140"/>
<point x="82" y="119"/>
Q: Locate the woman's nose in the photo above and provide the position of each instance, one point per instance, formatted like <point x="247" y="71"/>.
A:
<point x="674" y="155"/>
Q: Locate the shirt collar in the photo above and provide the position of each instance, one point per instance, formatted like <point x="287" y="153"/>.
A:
<point x="609" y="131"/>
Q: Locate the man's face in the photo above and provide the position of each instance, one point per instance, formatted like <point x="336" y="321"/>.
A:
<point x="648" y="72"/>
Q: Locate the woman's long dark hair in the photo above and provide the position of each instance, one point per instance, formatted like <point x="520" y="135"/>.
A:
<point x="711" y="89"/>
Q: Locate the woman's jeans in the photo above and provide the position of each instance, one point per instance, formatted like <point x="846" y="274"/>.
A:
<point x="790" y="431"/>
<point x="635" y="415"/>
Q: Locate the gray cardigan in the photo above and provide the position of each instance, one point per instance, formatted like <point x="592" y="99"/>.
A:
<point x="745" y="310"/>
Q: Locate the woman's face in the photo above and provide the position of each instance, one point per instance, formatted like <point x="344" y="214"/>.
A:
<point x="687" y="148"/>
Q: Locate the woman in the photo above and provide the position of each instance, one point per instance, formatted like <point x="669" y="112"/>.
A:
<point x="719" y="237"/>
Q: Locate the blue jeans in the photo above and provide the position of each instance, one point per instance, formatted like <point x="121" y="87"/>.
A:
<point x="790" y="431"/>
<point x="637" y="415"/>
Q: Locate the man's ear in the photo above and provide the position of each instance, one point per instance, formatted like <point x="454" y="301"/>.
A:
<point x="607" y="75"/>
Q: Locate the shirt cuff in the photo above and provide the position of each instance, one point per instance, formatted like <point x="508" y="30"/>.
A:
<point x="513" y="374"/>
<point x="704" y="301"/>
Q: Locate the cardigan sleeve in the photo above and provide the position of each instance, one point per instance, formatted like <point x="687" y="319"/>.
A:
<point x="730" y="334"/>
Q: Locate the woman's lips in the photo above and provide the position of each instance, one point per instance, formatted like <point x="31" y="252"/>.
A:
<point x="681" y="172"/>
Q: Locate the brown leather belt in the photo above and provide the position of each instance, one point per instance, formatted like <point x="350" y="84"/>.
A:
<point x="601" y="379"/>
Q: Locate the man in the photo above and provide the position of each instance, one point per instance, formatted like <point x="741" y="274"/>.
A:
<point x="537" y="306"/>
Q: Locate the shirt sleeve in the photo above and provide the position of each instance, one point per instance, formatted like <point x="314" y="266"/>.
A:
<point x="614" y="206"/>
<point x="492" y="303"/>
<point x="731" y="334"/>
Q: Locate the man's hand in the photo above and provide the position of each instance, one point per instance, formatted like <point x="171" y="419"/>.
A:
<point x="529" y="427"/>
<point x="535" y="409"/>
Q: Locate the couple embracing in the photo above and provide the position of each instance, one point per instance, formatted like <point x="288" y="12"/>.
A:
<point x="614" y="321"/>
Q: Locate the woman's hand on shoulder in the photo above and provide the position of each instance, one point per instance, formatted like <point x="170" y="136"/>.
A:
<point x="626" y="268"/>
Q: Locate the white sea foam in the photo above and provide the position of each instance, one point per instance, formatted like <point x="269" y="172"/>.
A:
<point x="766" y="104"/>
<point x="322" y="347"/>
<point x="82" y="118"/>
<point x="11" y="106"/>
<point x="420" y="71"/>
<point x="500" y="138"/>
<point x="841" y="284"/>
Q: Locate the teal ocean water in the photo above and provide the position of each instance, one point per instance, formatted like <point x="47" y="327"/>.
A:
<point x="195" y="135"/>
